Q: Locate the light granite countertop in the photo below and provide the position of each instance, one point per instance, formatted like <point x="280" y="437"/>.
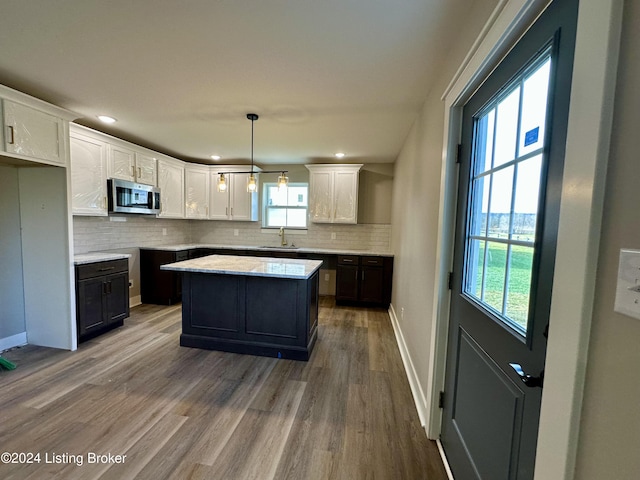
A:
<point x="95" y="257"/>
<point x="251" y="266"/>
<point x="326" y="251"/>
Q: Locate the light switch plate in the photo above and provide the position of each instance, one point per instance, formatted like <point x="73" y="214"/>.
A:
<point x="628" y="286"/>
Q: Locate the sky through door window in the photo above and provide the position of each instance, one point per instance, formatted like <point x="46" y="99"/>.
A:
<point x="285" y="206"/>
<point x="507" y="163"/>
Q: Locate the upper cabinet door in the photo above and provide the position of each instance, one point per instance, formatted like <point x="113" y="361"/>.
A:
<point x="33" y="134"/>
<point x="146" y="169"/>
<point x="171" y="184"/>
<point x="88" y="175"/>
<point x="321" y="196"/>
<point x="197" y="191"/>
<point x="244" y="205"/>
<point x="345" y="201"/>
<point x="121" y="163"/>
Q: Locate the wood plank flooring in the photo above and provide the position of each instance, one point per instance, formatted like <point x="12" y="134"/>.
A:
<point x="182" y="413"/>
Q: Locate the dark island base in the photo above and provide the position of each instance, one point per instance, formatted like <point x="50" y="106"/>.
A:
<point x="267" y="316"/>
<point x="247" y="348"/>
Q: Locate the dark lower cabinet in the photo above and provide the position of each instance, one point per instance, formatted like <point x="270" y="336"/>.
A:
<point x="364" y="280"/>
<point x="102" y="297"/>
<point x="160" y="286"/>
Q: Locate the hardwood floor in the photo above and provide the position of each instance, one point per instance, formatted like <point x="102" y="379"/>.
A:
<point x="182" y="413"/>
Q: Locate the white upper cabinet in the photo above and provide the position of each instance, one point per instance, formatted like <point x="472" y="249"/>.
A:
<point x="33" y="134"/>
<point x="196" y="191"/>
<point x="171" y="184"/>
<point x="146" y="169"/>
<point x="88" y="172"/>
<point x="121" y="163"/>
<point x="235" y="203"/>
<point x="129" y="163"/>
<point x="333" y="193"/>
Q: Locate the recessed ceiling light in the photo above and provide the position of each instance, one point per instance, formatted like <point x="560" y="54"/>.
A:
<point x="106" y="119"/>
<point x="339" y="155"/>
<point x="216" y="157"/>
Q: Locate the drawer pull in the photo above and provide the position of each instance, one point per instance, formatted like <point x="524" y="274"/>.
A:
<point x="105" y="269"/>
<point x="347" y="260"/>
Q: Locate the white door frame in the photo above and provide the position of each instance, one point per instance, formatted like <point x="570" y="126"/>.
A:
<point x="586" y="157"/>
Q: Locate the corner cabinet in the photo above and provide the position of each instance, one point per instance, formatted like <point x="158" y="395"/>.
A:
<point x="333" y="193"/>
<point x="102" y="297"/>
<point x="364" y="280"/>
<point x="171" y="184"/>
<point x="235" y="203"/>
<point x="88" y="155"/>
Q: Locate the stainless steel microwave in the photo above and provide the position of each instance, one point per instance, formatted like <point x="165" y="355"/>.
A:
<point x="131" y="197"/>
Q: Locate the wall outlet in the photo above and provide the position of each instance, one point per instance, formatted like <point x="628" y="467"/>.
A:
<point x="164" y="232"/>
<point x="236" y="232"/>
<point x="130" y="283"/>
<point x="333" y="235"/>
<point x="326" y="277"/>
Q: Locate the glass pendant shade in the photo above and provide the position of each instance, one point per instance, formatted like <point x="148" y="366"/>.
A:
<point x="283" y="180"/>
<point x="222" y="183"/>
<point x="252" y="183"/>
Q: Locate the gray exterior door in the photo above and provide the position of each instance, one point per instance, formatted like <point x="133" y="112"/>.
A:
<point x="513" y="140"/>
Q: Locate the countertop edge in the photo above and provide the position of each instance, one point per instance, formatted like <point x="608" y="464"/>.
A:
<point x="321" y="251"/>
<point x="96" y="257"/>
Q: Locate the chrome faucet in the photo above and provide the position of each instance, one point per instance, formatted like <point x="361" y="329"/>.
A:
<point x="283" y="242"/>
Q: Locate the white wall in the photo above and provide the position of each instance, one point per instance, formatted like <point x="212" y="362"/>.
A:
<point x="49" y="303"/>
<point x="415" y="210"/>
<point x="610" y="424"/>
<point x="12" y="324"/>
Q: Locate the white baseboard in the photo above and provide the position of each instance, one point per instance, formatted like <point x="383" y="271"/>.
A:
<point x="445" y="462"/>
<point x="416" y="389"/>
<point x="135" y="301"/>
<point x="13" y="341"/>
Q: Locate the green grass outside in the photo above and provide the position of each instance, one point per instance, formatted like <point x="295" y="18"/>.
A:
<point x="519" y="280"/>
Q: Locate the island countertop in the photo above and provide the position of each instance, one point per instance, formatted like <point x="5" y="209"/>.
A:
<point x="250" y="266"/>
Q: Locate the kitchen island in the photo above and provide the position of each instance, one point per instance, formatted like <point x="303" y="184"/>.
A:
<point x="251" y="305"/>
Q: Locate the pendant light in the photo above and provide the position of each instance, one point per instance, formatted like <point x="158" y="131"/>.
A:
<point x="252" y="181"/>
<point x="252" y="184"/>
<point x="283" y="180"/>
<point x="222" y="183"/>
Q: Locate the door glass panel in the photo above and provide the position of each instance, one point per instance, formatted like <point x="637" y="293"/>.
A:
<point x="520" y="267"/>
<point x="525" y="208"/>
<point x="486" y="126"/>
<point x="534" y="109"/>
<point x="496" y="262"/>
<point x="507" y="128"/>
<point x="500" y="205"/>
<point x="504" y="197"/>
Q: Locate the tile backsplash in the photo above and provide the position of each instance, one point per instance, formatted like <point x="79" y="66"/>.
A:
<point x="103" y="233"/>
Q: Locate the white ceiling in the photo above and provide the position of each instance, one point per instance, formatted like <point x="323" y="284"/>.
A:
<point x="180" y="76"/>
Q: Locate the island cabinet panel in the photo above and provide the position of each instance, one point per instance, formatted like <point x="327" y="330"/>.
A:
<point x="220" y="312"/>
<point x="255" y="315"/>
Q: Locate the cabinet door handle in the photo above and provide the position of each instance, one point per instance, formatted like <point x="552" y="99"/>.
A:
<point x="110" y="289"/>
<point x="232" y="211"/>
<point x="139" y="172"/>
<point x="104" y="288"/>
<point x="133" y="171"/>
<point x="12" y="131"/>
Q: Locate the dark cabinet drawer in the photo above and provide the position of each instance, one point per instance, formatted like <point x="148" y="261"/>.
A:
<point x="99" y="269"/>
<point x="372" y="261"/>
<point x="348" y="260"/>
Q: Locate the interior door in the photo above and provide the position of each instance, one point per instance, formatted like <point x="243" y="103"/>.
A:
<point x="513" y="139"/>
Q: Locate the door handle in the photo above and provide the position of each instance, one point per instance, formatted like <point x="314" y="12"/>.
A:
<point x="527" y="379"/>
<point x="13" y="135"/>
